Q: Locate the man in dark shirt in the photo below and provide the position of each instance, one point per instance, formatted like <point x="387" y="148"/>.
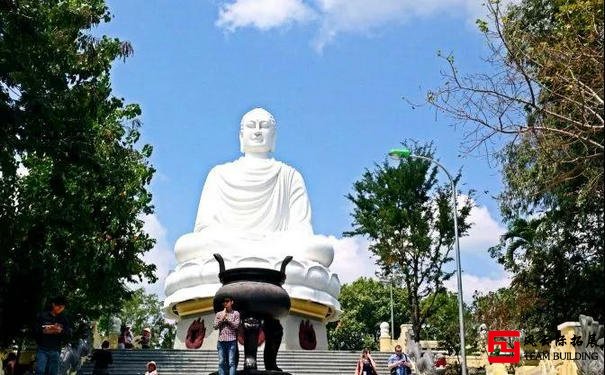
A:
<point x="51" y="329"/>
<point x="102" y="358"/>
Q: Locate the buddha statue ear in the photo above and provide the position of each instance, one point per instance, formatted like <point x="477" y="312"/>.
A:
<point x="273" y="142"/>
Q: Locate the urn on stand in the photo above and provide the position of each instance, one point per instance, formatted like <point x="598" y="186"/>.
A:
<point x="261" y="301"/>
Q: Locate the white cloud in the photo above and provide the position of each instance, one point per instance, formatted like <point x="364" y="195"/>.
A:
<point x="161" y="255"/>
<point x="362" y="16"/>
<point x="352" y="259"/>
<point x="472" y="283"/>
<point x="262" y="14"/>
<point x="334" y="17"/>
<point x="484" y="233"/>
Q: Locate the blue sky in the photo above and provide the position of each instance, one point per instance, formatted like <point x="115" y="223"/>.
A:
<point x="333" y="73"/>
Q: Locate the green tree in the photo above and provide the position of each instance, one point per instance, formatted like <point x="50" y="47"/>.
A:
<point x="366" y="303"/>
<point x="348" y="334"/>
<point x="144" y="310"/>
<point x="505" y="308"/>
<point x="73" y="177"/>
<point x="551" y="256"/>
<point x="553" y="198"/>
<point x="546" y="90"/>
<point x="443" y="325"/>
<point x="407" y="216"/>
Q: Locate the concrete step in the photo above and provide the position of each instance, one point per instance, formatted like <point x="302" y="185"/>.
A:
<point x="202" y="362"/>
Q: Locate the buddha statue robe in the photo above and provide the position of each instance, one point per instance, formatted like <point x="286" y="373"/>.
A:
<point x="254" y="206"/>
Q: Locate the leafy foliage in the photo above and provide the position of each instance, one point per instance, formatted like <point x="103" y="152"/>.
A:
<point x="348" y="334"/>
<point x="506" y="308"/>
<point x="407" y="216"/>
<point x="553" y="198"/>
<point x="143" y="310"/>
<point x="443" y="325"/>
<point x="366" y="303"/>
<point x="546" y="90"/>
<point x="558" y="255"/>
<point x="73" y="182"/>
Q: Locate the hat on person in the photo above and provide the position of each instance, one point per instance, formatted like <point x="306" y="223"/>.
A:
<point x="151" y="363"/>
<point x="147" y="329"/>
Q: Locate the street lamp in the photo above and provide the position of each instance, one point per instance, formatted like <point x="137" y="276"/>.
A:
<point x="404" y="153"/>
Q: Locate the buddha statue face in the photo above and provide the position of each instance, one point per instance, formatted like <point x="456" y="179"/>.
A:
<point x="257" y="132"/>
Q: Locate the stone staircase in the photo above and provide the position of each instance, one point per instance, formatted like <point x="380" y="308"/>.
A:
<point x="203" y="362"/>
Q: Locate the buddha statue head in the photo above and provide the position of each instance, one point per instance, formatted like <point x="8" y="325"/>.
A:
<point x="257" y="132"/>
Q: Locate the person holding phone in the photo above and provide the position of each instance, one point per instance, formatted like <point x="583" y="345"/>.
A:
<point x="399" y="363"/>
<point x="51" y="330"/>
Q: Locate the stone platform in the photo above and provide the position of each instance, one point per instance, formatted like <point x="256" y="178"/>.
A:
<point x="256" y="372"/>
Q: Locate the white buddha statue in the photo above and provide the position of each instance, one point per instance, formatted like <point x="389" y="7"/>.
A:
<point x="254" y="205"/>
<point x="254" y="211"/>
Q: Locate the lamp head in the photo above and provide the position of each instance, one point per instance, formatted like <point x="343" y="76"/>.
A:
<point x="400" y="153"/>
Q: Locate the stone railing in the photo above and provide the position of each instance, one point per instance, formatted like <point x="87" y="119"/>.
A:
<point x="568" y="359"/>
<point x="387" y="343"/>
<point x="422" y="355"/>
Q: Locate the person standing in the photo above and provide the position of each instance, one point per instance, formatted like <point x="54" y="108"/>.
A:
<point x="102" y="359"/>
<point x="399" y="363"/>
<point x="227" y="322"/>
<point x="51" y="329"/>
<point x="366" y="364"/>
<point x="145" y="339"/>
<point x="121" y="342"/>
<point x="128" y="337"/>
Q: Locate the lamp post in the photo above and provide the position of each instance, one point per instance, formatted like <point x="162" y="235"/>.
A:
<point x="390" y="281"/>
<point x="392" y="315"/>
<point x="404" y="153"/>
